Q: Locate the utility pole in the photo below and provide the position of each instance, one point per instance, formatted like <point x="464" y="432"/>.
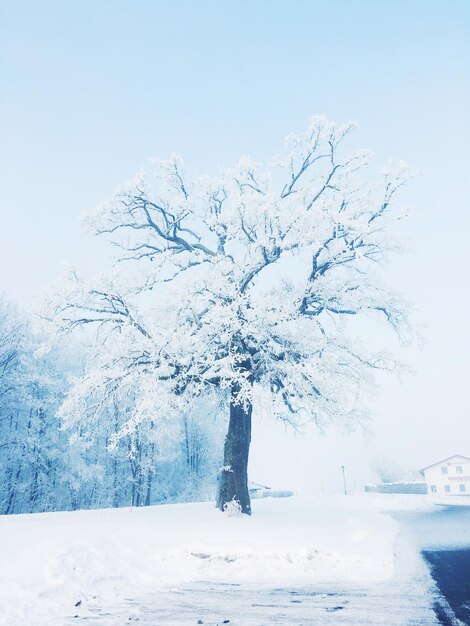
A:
<point x="344" y="481"/>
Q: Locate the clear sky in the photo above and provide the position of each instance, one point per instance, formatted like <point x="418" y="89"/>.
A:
<point x="90" y="89"/>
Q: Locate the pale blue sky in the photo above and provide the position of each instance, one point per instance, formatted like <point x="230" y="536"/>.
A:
<point x="90" y="89"/>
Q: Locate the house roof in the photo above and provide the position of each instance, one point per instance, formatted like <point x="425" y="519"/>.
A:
<point x="458" y="456"/>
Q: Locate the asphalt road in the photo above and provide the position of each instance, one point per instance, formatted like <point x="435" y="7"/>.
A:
<point x="451" y="571"/>
<point x="443" y="536"/>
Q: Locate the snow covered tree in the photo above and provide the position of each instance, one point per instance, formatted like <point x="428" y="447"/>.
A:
<point x="89" y="463"/>
<point x="387" y="470"/>
<point x="11" y="332"/>
<point x="240" y="289"/>
<point x="32" y="448"/>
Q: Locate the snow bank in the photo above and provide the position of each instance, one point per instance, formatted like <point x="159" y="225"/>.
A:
<point x="51" y="561"/>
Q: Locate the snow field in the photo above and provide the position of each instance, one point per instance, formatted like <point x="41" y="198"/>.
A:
<point x="52" y="561"/>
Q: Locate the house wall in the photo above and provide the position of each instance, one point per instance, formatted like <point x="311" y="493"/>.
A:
<point x="451" y="477"/>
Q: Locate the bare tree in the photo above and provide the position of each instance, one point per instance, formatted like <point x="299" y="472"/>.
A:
<point x="387" y="470"/>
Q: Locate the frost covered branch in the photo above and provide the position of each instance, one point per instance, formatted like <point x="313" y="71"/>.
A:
<point x="239" y="286"/>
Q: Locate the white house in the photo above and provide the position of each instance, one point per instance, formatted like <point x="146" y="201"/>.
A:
<point x="449" y="477"/>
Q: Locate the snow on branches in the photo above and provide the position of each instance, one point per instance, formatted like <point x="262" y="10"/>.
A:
<point x="238" y="284"/>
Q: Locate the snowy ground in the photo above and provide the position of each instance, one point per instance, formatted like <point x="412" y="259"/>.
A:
<point x="329" y="560"/>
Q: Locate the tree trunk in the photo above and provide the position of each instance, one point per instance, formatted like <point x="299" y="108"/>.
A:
<point x="233" y="480"/>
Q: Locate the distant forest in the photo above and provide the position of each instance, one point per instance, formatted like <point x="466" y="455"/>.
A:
<point x="47" y="465"/>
